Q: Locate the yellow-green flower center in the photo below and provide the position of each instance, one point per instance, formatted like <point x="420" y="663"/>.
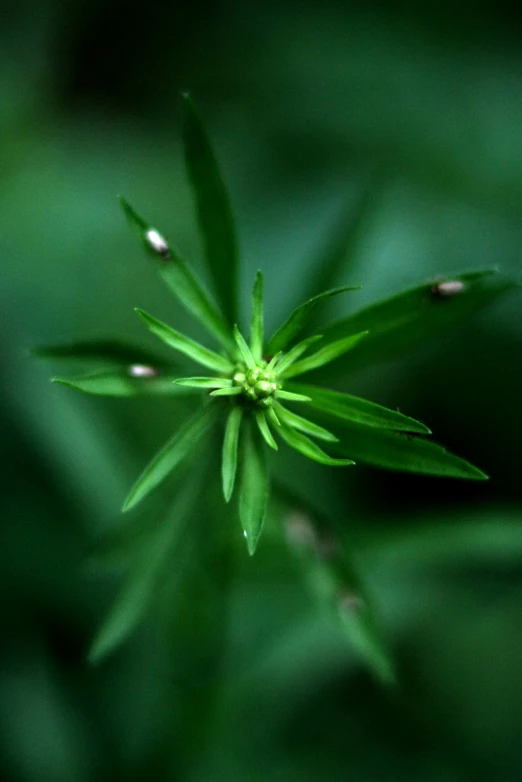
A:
<point x="258" y="384"/>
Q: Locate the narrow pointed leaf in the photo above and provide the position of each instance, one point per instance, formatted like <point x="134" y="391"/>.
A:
<point x="229" y="459"/>
<point x="189" y="347"/>
<point x="292" y="396"/>
<point x="103" y="351"/>
<point x="325" y="355"/>
<point x="399" y="323"/>
<point x="304" y="425"/>
<point x="265" y="430"/>
<point x="180" y="279"/>
<point x="203" y="382"/>
<point x="293" y="354"/>
<point x="273" y="416"/>
<point x="213" y="210"/>
<point x="253" y="497"/>
<point x="121" y="383"/>
<point x="360" y="411"/>
<point x="230" y="391"/>
<point x="308" y="448"/>
<point x="256" y="327"/>
<point x="245" y="351"/>
<point x="152" y="564"/>
<point x="297" y="320"/>
<point x="176" y="449"/>
<point x="402" y="451"/>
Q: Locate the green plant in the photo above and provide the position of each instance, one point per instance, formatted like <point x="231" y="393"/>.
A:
<point x="249" y="395"/>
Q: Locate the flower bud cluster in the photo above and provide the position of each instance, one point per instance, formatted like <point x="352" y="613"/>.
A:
<point x="258" y="385"/>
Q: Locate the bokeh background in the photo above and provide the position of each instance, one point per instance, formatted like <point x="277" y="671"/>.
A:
<point x="310" y="106"/>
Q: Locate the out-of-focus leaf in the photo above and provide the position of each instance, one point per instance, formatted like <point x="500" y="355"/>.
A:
<point x="352" y="408"/>
<point x="123" y="383"/>
<point x="297" y="320"/>
<point x="229" y="459"/>
<point x="305" y="426"/>
<point x="404" y="320"/>
<point x="402" y="451"/>
<point x="213" y="210"/>
<point x="180" y="279"/>
<point x="152" y="562"/>
<point x="186" y="345"/>
<point x="325" y="355"/>
<point x="176" y="449"/>
<point x="101" y="351"/>
<point x="308" y="448"/>
<point x="256" y="327"/>
<point x="334" y="581"/>
<point x="253" y="496"/>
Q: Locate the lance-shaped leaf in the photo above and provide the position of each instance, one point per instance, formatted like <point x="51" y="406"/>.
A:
<point x="203" y="382"/>
<point x="325" y="355"/>
<point x="308" y="448"/>
<point x="253" y="496"/>
<point x="189" y="347"/>
<point x="102" y="351"/>
<point x="333" y="579"/>
<point x="125" y="383"/>
<point x="229" y="458"/>
<point x="256" y="327"/>
<point x="179" y="278"/>
<point x="177" y="448"/>
<point x="262" y="424"/>
<point x="293" y="354"/>
<point x="402" y="451"/>
<point x="298" y="319"/>
<point x="213" y="210"/>
<point x="244" y="350"/>
<point x="402" y="321"/>
<point x="304" y="425"/>
<point x="152" y="564"/>
<point x="360" y="411"/>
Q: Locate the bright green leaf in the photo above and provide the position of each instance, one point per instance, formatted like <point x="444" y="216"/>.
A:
<point x="402" y="451"/>
<point x="297" y="320"/>
<point x="176" y="449"/>
<point x="256" y="327"/>
<point x="213" y="210"/>
<point x="352" y="408"/>
<point x="230" y="391"/>
<point x="289" y="358"/>
<point x="245" y="351"/>
<point x="265" y="430"/>
<point x="305" y="426"/>
<point x="403" y="321"/>
<point x="122" y="383"/>
<point x="229" y="459"/>
<point x="253" y="496"/>
<point x="181" y="280"/>
<point x="325" y="355"/>
<point x="291" y="396"/>
<point x="308" y="448"/>
<point x="203" y="382"/>
<point x="189" y="347"/>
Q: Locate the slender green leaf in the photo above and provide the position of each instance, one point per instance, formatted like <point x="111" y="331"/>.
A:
<point x="245" y="351"/>
<point x="103" y="351"/>
<point x="304" y="425"/>
<point x="297" y="320"/>
<point x="273" y="416"/>
<point x="291" y="396"/>
<point x="153" y="563"/>
<point x="265" y="430"/>
<point x="229" y="460"/>
<point x="203" y="382"/>
<point x="231" y="391"/>
<point x="402" y="451"/>
<point x="325" y="355"/>
<point x="253" y="496"/>
<point x="121" y="383"/>
<point x="308" y="448"/>
<point x="398" y="323"/>
<point x="352" y="408"/>
<point x="189" y="347"/>
<point x="293" y="354"/>
<point x="213" y="210"/>
<point x="176" y="449"/>
<point x="256" y="327"/>
<point x="181" y="280"/>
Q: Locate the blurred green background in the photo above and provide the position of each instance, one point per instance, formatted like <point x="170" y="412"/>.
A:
<point x="310" y="105"/>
